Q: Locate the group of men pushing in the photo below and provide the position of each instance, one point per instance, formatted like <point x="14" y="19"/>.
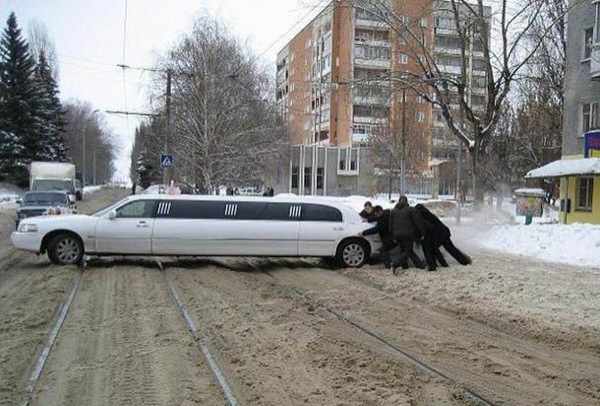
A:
<point x="404" y="225"/>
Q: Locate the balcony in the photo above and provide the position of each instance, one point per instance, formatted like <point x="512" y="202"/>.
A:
<point x="368" y="23"/>
<point x="372" y="63"/>
<point x="372" y="42"/>
<point x="595" y="62"/>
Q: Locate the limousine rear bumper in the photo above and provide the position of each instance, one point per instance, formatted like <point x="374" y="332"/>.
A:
<point x="26" y="241"/>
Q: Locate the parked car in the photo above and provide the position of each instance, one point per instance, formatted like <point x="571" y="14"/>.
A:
<point x="78" y="189"/>
<point x="36" y="203"/>
<point x="194" y="225"/>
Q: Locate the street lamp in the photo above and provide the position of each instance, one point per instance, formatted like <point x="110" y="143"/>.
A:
<point x="83" y="174"/>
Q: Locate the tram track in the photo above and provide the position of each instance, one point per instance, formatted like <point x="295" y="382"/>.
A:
<point x="200" y="338"/>
<point x="41" y="359"/>
<point x="400" y="353"/>
<point x="467" y="352"/>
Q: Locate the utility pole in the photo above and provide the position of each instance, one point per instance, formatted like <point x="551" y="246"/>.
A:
<point x="403" y="146"/>
<point x="168" y="126"/>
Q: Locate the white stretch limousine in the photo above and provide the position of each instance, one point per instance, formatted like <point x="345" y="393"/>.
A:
<point x="188" y="225"/>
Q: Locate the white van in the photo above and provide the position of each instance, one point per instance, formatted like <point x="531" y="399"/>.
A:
<point x="191" y="225"/>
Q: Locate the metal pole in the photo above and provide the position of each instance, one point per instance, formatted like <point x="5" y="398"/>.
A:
<point x="83" y="155"/>
<point x="458" y="170"/>
<point x="167" y="126"/>
<point x="94" y="165"/>
<point x="403" y="147"/>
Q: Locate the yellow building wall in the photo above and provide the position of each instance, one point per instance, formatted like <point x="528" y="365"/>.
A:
<point x="575" y="216"/>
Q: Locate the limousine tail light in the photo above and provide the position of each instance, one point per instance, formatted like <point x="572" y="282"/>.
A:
<point x="28" y="228"/>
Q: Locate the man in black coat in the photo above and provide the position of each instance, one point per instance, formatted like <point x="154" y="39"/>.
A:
<point x="383" y="228"/>
<point x="406" y="227"/>
<point x="367" y="213"/>
<point x="441" y="236"/>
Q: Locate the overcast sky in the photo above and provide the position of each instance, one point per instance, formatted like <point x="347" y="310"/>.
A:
<point x="91" y="39"/>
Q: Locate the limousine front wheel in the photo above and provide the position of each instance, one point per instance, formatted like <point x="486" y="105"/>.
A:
<point x="352" y="253"/>
<point x="65" y="249"/>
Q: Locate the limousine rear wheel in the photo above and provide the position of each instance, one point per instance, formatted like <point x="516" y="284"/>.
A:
<point x="65" y="249"/>
<point x="352" y="253"/>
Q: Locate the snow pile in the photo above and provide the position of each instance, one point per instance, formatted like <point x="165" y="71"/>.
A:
<point x="91" y="189"/>
<point x="8" y="196"/>
<point x="576" y="244"/>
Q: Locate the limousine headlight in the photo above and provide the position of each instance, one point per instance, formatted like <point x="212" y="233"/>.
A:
<point x="28" y="228"/>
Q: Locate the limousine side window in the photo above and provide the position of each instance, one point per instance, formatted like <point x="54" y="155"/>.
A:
<point x="137" y="209"/>
<point x="193" y="209"/>
<point x="317" y="212"/>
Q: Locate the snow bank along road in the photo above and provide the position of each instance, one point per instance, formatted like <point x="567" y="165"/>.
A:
<point x="507" y="330"/>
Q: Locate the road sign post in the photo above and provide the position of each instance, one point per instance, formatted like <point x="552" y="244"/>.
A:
<point x="166" y="161"/>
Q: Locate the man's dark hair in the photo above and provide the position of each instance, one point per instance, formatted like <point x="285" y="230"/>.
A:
<point x="378" y="208"/>
<point x="368" y="204"/>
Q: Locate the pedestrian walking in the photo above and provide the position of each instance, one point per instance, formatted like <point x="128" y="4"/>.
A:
<point x="383" y="229"/>
<point x="441" y="237"/>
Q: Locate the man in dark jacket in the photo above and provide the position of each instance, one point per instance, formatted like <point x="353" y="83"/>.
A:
<point x="441" y="236"/>
<point x="367" y="213"/>
<point x="406" y="227"/>
<point x="383" y="228"/>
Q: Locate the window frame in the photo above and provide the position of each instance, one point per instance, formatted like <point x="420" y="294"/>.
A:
<point x="586" y="51"/>
<point x="588" y="190"/>
<point x="144" y="201"/>
<point x="586" y="121"/>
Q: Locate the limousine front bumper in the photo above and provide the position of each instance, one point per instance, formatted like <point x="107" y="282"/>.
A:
<point x="26" y="241"/>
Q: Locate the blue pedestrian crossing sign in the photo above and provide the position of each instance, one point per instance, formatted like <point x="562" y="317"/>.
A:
<point x="166" y="161"/>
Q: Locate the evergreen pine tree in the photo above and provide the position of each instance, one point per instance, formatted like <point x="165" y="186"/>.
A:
<point x="51" y="113"/>
<point x="19" y="123"/>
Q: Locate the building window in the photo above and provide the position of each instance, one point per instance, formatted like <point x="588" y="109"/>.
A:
<point x="585" y="191"/>
<point x="423" y="21"/>
<point x="588" y="38"/>
<point x="423" y="40"/>
<point x="586" y="115"/>
<point x="320" y="177"/>
<point x="403" y="58"/>
<point x="420" y="99"/>
<point x="595" y="117"/>
<point x="348" y="160"/>
<point x="422" y="59"/>
<point x="597" y="23"/>
<point x="420" y="117"/>
<point x="372" y="53"/>
<point x="295" y="172"/>
<point x="307" y="176"/>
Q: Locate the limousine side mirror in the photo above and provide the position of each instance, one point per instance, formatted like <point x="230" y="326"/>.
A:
<point x="112" y="214"/>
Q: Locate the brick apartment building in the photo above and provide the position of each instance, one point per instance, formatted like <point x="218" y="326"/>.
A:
<point x="335" y="91"/>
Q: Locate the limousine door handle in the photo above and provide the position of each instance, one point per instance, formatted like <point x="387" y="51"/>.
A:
<point x="338" y="228"/>
<point x="142" y="224"/>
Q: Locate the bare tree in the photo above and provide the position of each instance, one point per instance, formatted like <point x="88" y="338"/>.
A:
<point x="91" y="145"/>
<point x="530" y="134"/>
<point x="225" y="128"/>
<point x="399" y="147"/>
<point x="41" y="42"/>
<point x="503" y="35"/>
